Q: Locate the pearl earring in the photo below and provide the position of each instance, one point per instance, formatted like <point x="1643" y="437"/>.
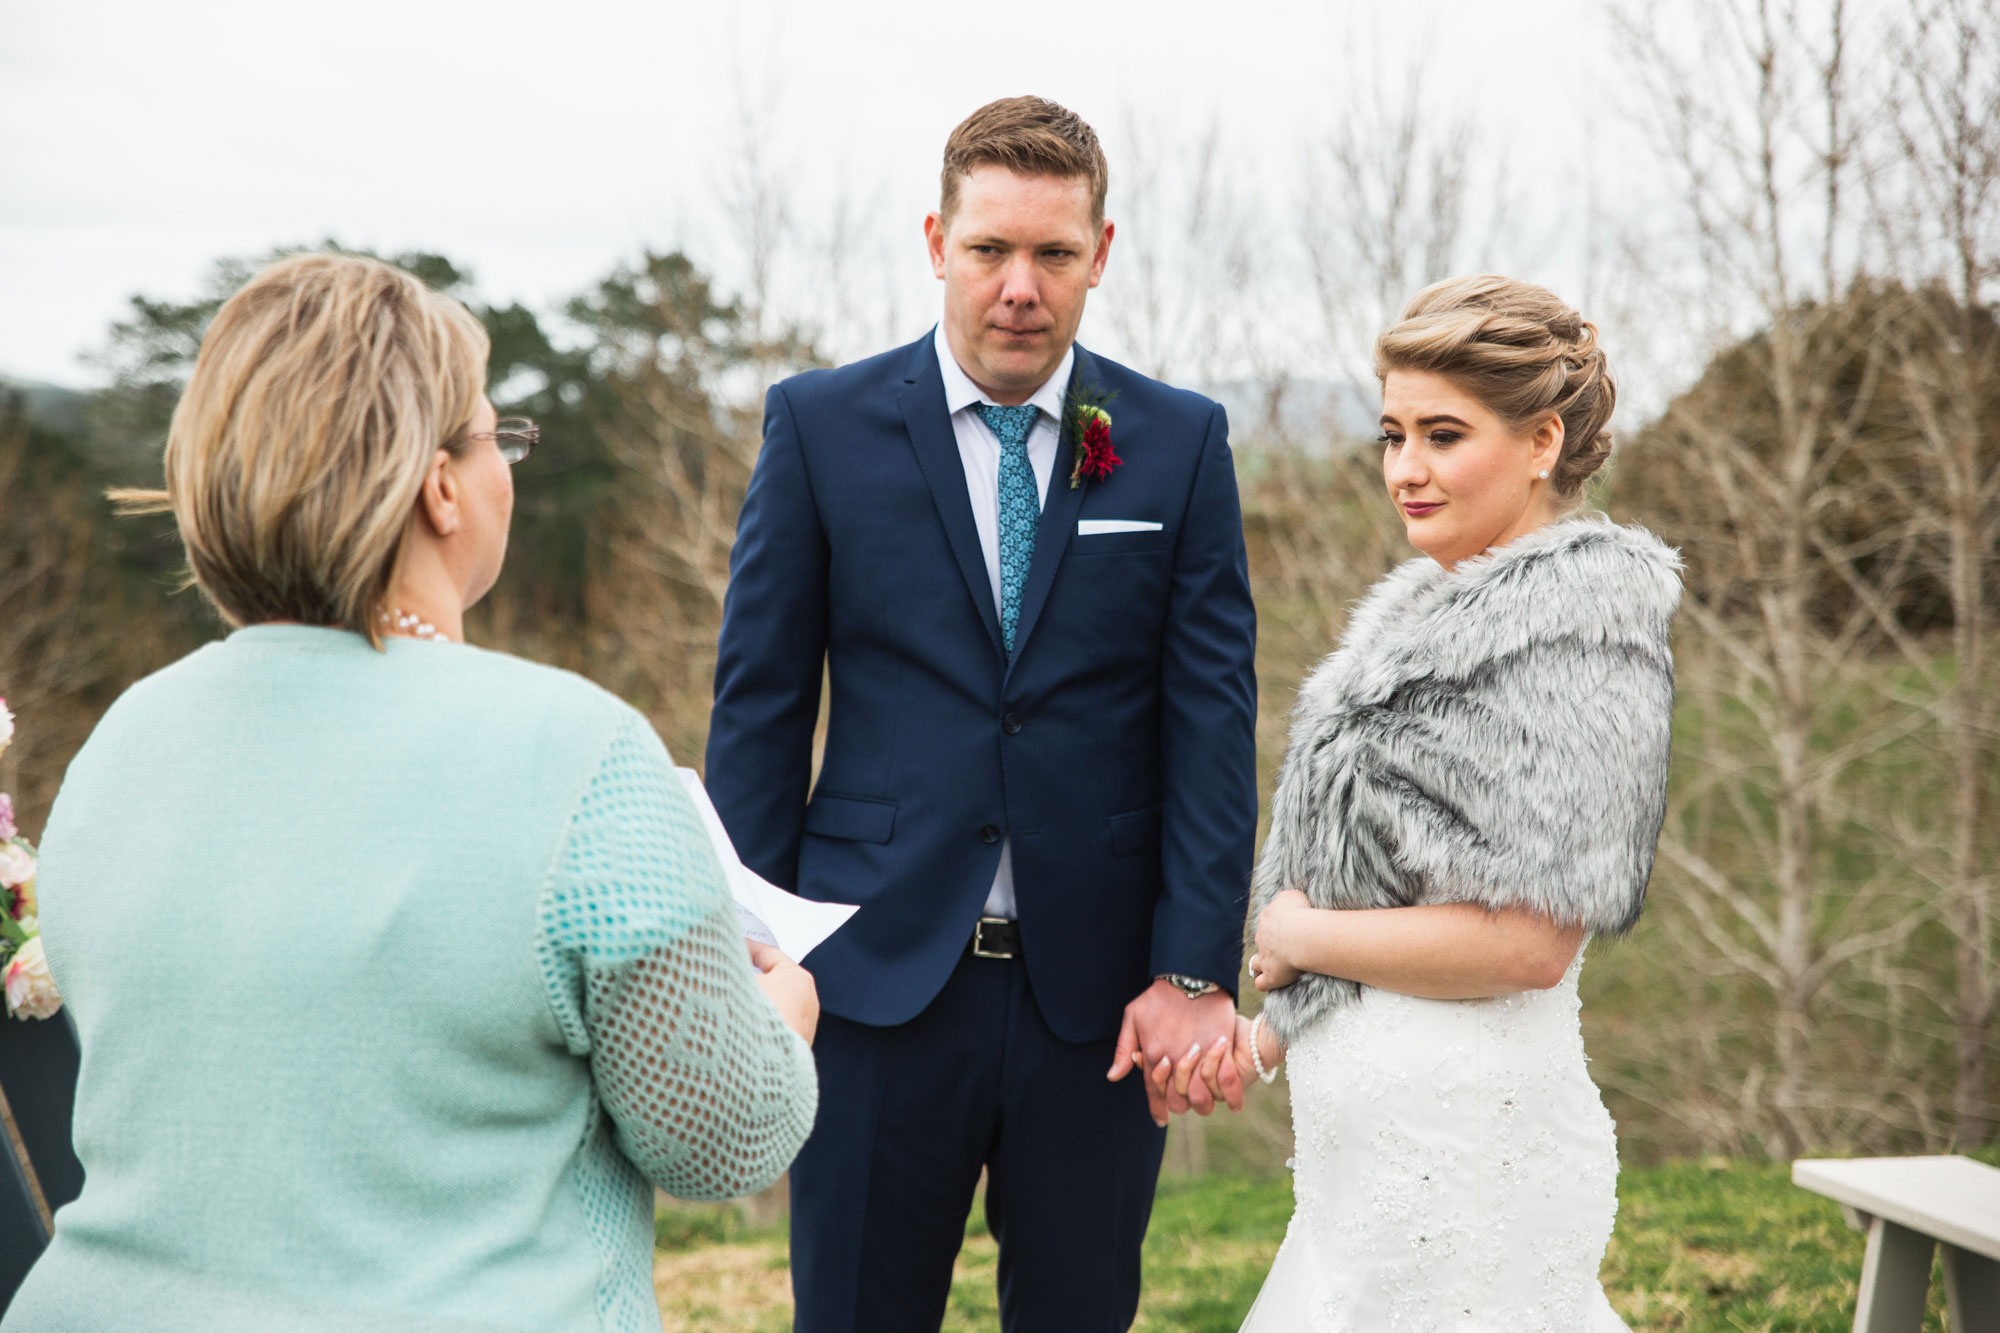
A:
<point x="1544" y="474"/>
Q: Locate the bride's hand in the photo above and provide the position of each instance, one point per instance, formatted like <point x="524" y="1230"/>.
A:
<point x="1198" y="1068"/>
<point x="1271" y="967"/>
<point x="1246" y="1064"/>
<point x="1203" y="1076"/>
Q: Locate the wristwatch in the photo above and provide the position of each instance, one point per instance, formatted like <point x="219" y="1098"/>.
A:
<point x="1192" y="987"/>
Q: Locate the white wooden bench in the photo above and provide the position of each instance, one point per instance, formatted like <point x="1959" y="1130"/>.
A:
<point x="1909" y="1206"/>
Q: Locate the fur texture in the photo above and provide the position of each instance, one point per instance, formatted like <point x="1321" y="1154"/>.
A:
<point x="1493" y="734"/>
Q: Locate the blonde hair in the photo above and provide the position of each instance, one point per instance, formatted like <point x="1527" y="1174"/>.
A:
<point x="1522" y="352"/>
<point x="1030" y="136"/>
<point x="323" y="390"/>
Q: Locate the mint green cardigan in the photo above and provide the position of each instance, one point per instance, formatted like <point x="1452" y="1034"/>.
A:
<point x="402" y="979"/>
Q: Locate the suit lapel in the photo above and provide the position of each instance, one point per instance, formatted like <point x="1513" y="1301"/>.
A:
<point x="929" y="423"/>
<point x="1058" y="525"/>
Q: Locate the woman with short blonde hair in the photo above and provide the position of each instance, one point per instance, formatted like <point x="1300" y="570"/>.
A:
<point x="404" y="972"/>
<point x="321" y="394"/>
<point x="1475" y="785"/>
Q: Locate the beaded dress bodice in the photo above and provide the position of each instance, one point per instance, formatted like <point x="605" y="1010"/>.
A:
<point x="1455" y="1171"/>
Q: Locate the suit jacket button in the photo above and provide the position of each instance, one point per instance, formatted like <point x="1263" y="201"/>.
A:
<point x="1011" y="724"/>
<point x="990" y="833"/>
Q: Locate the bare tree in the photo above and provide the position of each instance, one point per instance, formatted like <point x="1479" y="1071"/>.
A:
<point x="1769" y="477"/>
<point x="1385" y="181"/>
<point x="54" y="651"/>
<point x="1181" y="290"/>
<point x="1382" y="210"/>
<point x="813" y="263"/>
<point x="1944" y="214"/>
<point x="1388" y="177"/>
<point x="660" y="597"/>
<point x="679" y="419"/>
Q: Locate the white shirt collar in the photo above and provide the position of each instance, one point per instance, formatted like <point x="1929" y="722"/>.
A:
<point x="960" y="392"/>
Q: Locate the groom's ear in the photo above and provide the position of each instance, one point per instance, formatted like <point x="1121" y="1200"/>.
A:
<point x="934" y="239"/>
<point x="1103" y="252"/>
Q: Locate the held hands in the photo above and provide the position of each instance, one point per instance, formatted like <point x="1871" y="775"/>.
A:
<point x="1198" y="1069"/>
<point x="1271" y="967"/>
<point x="789" y="987"/>
<point x="1180" y="1043"/>
<point x="1203" y="1077"/>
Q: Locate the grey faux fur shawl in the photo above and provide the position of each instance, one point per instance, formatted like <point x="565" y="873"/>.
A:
<point x="1495" y="734"/>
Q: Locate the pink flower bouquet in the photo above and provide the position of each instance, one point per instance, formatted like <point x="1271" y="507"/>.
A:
<point x="31" y="991"/>
<point x="24" y="970"/>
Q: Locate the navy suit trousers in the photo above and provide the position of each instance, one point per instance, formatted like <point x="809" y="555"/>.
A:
<point x="910" y="1115"/>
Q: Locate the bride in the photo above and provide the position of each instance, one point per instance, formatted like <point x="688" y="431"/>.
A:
<point x="1475" y="784"/>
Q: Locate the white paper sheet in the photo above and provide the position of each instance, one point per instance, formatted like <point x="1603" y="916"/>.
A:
<point x="770" y="915"/>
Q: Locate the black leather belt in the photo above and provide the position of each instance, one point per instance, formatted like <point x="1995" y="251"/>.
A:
<point x="995" y="937"/>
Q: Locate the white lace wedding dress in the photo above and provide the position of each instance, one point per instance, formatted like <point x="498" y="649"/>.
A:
<point x="1455" y="1171"/>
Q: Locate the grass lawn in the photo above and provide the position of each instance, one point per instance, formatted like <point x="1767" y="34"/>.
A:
<point x="1726" y="1246"/>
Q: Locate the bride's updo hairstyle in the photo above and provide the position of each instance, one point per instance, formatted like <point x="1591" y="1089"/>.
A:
<point x="323" y="390"/>
<point x="1522" y="352"/>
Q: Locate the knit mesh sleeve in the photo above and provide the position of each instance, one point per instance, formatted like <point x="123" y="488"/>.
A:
<point x="709" y="1093"/>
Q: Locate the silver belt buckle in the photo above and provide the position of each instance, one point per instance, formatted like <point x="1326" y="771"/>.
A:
<point x="979" y="949"/>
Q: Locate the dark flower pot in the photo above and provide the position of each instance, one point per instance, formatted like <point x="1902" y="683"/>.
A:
<point x="38" y="1064"/>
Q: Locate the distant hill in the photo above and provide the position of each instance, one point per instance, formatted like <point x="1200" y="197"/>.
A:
<point x="116" y="439"/>
<point x="1305" y="411"/>
<point x="50" y="406"/>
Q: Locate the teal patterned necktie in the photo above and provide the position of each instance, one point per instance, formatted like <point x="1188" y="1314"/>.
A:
<point x="1020" y="507"/>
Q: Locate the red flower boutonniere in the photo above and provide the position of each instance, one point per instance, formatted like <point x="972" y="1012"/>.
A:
<point x="1090" y="426"/>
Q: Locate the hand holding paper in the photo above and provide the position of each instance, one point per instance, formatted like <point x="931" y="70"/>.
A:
<point x="770" y="915"/>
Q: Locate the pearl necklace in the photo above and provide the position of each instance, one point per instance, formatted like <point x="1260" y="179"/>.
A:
<point x="416" y="627"/>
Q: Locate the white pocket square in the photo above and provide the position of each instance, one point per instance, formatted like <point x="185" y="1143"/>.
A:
<point x="1097" y="527"/>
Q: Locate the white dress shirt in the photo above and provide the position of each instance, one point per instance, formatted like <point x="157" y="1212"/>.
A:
<point x="979" y="451"/>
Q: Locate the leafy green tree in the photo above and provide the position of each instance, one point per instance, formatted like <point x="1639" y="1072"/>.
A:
<point x="151" y="352"/>
<point x="680" y="375"/>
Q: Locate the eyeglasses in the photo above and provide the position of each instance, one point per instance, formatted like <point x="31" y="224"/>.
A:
<point x="516" y="436"/>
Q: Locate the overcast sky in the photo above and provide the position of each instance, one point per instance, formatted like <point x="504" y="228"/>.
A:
<point x="540" y="144"/>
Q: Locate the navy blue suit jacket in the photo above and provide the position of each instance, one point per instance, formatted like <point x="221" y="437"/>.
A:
<point x="1115" y="749"/>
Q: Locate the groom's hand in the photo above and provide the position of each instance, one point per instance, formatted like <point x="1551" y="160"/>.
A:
<point x="1161" y="1029"/>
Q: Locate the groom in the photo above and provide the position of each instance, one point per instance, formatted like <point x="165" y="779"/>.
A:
<point x="1038" y="779"/>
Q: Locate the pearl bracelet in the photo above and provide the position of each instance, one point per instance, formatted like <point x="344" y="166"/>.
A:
<point x="1257" y="1056"/>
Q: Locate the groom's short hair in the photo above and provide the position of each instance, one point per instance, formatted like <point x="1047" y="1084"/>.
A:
<point x="1031" y="136"/>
